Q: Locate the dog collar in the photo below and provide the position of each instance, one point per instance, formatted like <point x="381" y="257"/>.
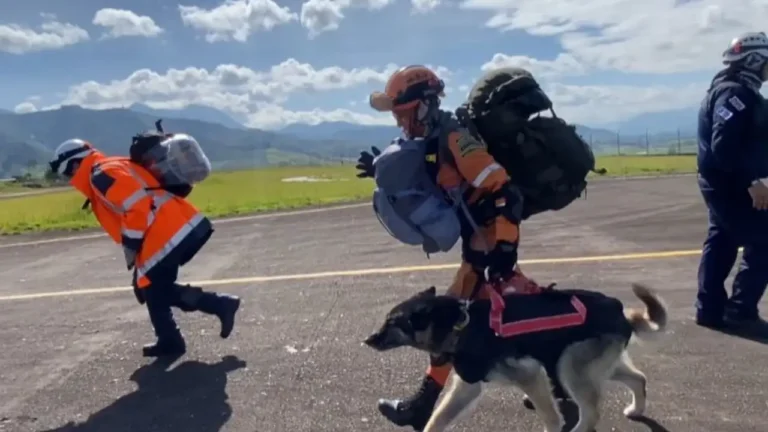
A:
<point x="451" y="344"/>
<point x="465" y="316"/>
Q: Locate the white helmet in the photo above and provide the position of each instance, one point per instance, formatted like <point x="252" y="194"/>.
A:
<point x="68" y="152"/>
<point x="751" y="44"/>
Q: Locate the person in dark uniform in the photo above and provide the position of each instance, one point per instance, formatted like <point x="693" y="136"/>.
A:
<point x="733" y="180"/>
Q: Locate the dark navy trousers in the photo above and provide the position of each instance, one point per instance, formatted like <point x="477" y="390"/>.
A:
<point x="733" y="223"/>
<point x="165" y="293"/>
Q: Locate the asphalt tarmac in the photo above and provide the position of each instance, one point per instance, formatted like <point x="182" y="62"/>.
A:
<point x="314" y="285"/>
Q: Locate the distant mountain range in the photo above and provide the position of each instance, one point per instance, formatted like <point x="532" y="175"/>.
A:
<point x="29" y="139"/>
<point x="191" y="112"/>
<point x="659" y="123"/>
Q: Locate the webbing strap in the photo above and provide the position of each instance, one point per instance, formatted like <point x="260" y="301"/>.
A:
<point x="530" y="325"/>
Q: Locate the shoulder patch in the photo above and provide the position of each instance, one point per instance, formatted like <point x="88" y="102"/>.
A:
<point x="724" y="113"/>
<point x="737" y="103"/>
<point x="467" y="144"/>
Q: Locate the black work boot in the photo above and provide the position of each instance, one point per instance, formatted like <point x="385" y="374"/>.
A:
<point x="165" y="347"/>
<point x="415" y="410"/>
<point x="229" y="306"/>
<point x="224" y="306"/>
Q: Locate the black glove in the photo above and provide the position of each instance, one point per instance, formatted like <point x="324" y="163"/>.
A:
<point x="130" y="257"/>
<point x="136" y="291"/>
<point x="501" y="262"/>
<point x="365" y="163"/>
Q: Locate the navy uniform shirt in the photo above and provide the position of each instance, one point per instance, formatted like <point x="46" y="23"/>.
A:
<point x="733" y="143"/>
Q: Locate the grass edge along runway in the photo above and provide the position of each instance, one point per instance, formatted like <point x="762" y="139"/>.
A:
<point x="266" y="189"/>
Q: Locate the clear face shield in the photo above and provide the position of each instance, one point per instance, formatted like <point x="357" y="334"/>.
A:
<point x="415" y="118"/>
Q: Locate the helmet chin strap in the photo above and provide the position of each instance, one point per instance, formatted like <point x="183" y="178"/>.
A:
<point x="425" y="117"/>
<point x="751" y="71"/>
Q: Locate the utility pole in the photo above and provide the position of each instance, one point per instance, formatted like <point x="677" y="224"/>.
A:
<point x="647" y="144"/>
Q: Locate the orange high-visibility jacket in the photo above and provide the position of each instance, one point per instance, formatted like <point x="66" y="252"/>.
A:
<point x="477" y="167"/>
<point x="133" y="216"/>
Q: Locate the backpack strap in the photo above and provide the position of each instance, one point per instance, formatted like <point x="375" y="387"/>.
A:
<point x="444" y="154"/>
<point x="464" y="114"/>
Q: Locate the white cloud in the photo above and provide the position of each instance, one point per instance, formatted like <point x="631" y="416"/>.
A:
<point x="259" y="96"/>
<point x="657" y="36"/>
<point x="236" y="19"/>
<point x="244" y="92"/>
<point x="17" y="39"/>
<point x="595" y="104"/>
<point x="319" y="16"/>
<point x="422" y="6"/>
<point x="25" y="107"/>
<point x="562" y="65"/>
<point x="122" y="23"/>
<point x="652" y="36"/>
<point x="271" y="116"/>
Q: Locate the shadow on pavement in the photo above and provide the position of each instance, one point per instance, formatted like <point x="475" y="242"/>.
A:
<point x="191" y="397"/>
<point x="653" y="425"/>
<point x="754" y="331"/>
<point x="757" y="332"/>
<point x="571" y="416"/>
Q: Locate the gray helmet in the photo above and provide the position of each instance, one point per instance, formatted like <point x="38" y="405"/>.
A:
<point x="749" y="49"/>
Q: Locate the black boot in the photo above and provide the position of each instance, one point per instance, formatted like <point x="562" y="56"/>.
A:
<point x="224" y="306"/>
<point x="165" y="347"/>
<point x="415" y="410"/>
<point x="229" y="306"/>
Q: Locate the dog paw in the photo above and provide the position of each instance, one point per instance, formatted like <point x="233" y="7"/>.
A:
<point x="633" y="411"/>
<point x="557" y="427"/>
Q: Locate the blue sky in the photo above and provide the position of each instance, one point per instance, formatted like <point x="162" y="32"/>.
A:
<point x="638" y="69"/>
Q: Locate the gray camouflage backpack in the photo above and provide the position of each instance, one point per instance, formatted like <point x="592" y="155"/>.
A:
<point x="409" y="204"/>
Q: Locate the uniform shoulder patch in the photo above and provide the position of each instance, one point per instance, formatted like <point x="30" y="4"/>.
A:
<point x="724" y="113"/>
<point x="467" y="144"/>
<point x="737" y="103"/>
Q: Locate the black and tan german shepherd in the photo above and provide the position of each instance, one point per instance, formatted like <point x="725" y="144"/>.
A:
<point x="578" y="359"/>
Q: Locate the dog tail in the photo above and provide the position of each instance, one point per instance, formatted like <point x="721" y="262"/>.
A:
<point x="650" y="319"/>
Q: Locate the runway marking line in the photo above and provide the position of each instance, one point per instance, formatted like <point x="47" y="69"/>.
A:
<point x="365" y="272"/>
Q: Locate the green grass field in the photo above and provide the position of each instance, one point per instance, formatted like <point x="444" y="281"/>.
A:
<point x="8" y="187"/>
<point x="647" y="164"/>
<point x="241" y="192"/>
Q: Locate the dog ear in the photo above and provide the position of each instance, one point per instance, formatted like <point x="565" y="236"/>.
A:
<point x="429" y="292"/>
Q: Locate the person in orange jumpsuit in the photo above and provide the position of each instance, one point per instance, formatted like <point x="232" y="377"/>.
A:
<point x="159" y="232"/>
<point x="412" y="95"/>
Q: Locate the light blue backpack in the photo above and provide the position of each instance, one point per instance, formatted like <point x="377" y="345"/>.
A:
<point x="409" y="204"/>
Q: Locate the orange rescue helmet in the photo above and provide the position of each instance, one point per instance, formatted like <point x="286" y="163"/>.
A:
<point x="411" y="94"/>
